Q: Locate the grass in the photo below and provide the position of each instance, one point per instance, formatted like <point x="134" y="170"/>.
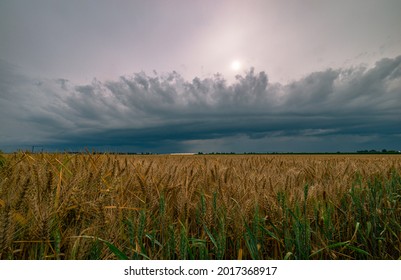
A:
<point x="92" y="206"/>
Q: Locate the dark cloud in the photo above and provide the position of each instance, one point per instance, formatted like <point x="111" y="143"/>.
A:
<point x="336" y="109"/>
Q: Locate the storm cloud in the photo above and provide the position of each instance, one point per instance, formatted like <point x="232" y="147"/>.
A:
<point x="341" y="109"/>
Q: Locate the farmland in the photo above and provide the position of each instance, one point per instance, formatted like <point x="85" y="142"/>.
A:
<point x="105" y="206"/>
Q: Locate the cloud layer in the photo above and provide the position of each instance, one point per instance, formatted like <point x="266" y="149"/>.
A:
<point x="335" y="109"/>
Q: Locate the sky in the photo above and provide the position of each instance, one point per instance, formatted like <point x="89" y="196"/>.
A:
<point x="167" y="76"/>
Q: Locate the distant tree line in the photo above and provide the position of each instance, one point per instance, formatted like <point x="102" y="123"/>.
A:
<point x="40" y="149"/>
<point x="384" y="151"/>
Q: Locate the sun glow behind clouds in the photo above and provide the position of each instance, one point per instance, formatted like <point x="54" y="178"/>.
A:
<point x="236" y="65"/>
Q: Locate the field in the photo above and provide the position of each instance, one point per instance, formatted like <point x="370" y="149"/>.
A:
<point x="104" y="206"/>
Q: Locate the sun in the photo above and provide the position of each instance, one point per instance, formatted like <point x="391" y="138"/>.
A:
<point x="236" y="65"/>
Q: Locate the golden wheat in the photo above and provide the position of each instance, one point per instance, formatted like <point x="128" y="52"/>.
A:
<point x="144" y="203"/>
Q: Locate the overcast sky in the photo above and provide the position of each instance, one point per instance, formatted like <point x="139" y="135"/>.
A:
<point x="210" y="76"/>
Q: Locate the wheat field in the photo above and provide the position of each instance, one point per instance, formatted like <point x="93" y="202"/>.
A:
<point x="105" y="206"/>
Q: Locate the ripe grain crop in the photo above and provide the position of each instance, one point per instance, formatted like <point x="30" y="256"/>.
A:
<point x="105" y="206"/>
